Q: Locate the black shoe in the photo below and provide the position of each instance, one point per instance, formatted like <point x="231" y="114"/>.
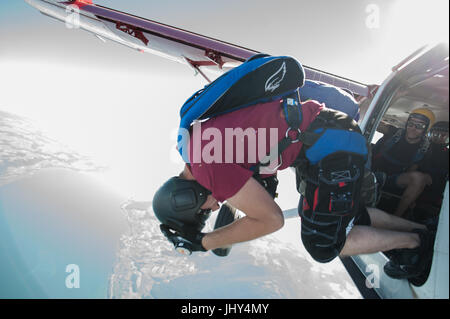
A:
<point x="427" y="239"/>
<point x="412" y="263"/>
<point x="403" y="264"/>
<point x="226" y="216"/>
<point x="432" y="223"/>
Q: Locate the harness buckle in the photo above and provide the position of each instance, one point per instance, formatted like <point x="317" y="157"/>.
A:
<point x="298" y="135"/>
<point x="265" y="169"/>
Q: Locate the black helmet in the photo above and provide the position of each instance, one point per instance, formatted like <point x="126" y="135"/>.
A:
<point x="439" y="133"/>
<point x="440" y="126"/>
<point x="177" y="204"/>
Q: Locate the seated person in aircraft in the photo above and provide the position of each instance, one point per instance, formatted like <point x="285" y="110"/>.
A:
<point x="399" y="156"/>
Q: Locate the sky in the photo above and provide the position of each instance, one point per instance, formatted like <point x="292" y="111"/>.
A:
<point x="358" y="39"/>
<point x="121" y="106"/>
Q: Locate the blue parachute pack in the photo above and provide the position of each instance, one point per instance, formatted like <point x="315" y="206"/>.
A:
<point x="261" y="79"/>
<point x="334" y="98"/>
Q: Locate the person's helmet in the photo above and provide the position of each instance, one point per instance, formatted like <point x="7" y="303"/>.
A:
<point x="441" y="126"/>
<point x="424" y="114"/>
<point x="439" y="132"/>
<point x="177" y="204"/>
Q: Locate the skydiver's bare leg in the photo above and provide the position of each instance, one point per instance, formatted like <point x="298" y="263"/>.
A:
<point x="380" y="219"/>
<point x="414" y="183"/>
<point x="385" y="233"/>
<point x="368" y="240"/>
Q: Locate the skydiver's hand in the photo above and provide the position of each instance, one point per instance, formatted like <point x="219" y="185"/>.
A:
<point x="191" y="240"/>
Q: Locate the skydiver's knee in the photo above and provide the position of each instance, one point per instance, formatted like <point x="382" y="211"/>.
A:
<point x="418" y="179"/>
<point x="412" y="180"/>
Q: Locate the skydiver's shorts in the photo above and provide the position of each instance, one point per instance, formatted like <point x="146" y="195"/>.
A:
<point x="391" y="185"/>
<point x="313" y="236"/>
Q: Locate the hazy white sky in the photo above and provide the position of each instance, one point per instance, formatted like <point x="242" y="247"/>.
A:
<point x="121" y="107"/>
<point x="358" y="39"/>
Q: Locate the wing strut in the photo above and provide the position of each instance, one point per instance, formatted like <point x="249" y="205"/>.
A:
<point x="196" y="67"/>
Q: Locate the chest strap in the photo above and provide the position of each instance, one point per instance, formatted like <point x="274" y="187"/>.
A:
<point x="293" y="115"/>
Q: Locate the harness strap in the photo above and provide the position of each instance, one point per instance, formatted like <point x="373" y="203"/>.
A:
<point x="292" y="112"/>
<point x="293" y="115"/>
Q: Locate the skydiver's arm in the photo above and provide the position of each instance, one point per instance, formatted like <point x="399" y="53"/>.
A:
<point x="263" y="216"/>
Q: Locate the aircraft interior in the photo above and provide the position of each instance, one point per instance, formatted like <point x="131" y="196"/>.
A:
<point x="431" y="92"/>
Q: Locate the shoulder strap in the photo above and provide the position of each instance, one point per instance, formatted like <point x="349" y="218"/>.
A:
<point x="423" y="149"/>
<point x="293" y="115"/>
<point x="388" y="143"/>
<point x="393" y="140"/>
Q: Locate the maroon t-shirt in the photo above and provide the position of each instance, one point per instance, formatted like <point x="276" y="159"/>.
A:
<point x="221" y="160"/>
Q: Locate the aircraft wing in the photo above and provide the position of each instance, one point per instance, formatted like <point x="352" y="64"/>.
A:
<point x="197" y="51"/>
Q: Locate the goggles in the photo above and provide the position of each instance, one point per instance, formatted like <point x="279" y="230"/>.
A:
<point x="418" y="126"/>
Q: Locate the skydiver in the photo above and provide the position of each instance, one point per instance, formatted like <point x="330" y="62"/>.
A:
<point x="184" y="202"/>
